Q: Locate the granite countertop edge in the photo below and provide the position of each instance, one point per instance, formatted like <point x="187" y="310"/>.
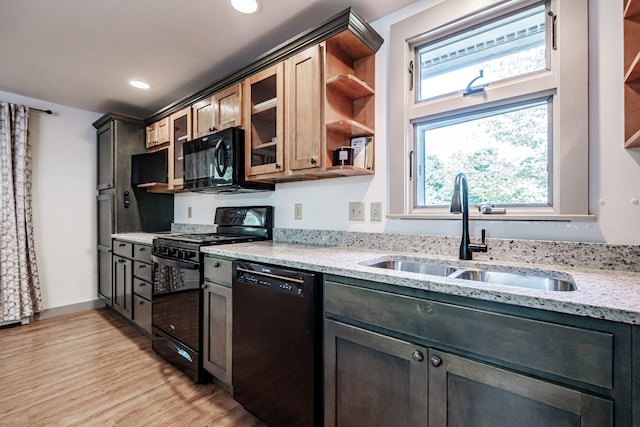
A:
<point x="602" y="294"/>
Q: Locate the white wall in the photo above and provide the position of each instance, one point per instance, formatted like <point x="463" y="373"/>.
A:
<point x="64" y="212"/>
<point x="614" y="171"/>
<point x="64" y="177"/>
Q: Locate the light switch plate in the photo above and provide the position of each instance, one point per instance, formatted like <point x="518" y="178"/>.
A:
<point x="297" y="211"/>
<point x="376" y="211"/>
<point x="356" y="211"/>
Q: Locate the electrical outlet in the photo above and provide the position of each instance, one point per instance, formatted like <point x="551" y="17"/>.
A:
<point x="376" y="211"/>
<point x="297" y="211"/>
<point x="189" y="212"/>
<point x="356" y="211"/>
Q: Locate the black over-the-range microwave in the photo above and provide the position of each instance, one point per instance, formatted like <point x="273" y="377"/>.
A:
<point x="215" y="164"/>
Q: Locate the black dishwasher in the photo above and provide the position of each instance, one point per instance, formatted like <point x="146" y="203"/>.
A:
<point x="277" y="344"/>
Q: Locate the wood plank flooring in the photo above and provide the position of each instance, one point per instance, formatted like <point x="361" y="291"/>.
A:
<point x="94" y="369"/>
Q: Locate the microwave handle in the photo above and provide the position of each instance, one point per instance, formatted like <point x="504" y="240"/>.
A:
<point x="220" y="146"/>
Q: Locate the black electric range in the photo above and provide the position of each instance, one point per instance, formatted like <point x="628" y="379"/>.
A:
<point x="177" y="278"/>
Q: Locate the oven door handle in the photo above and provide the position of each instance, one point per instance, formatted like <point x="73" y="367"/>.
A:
<point x="174" y="263"/>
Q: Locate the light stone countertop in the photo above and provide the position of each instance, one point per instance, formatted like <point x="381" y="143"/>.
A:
<point x="142" y="238"/>
<point x="602" y="294"/>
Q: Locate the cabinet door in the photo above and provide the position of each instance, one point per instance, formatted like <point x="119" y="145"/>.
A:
<point x="105" y="284"/>
<point x="122" y="285"/>
<point x="304" y="103"/>
<point x="106" y="218"/>
<point x="106" y="163"/>
<point x="463" y="392"/>
<point x="180" y="124"/>
<point x="217" y="323"/>
<point x="227" y="106"/>
<point x="264" y="118"/>
<point x="372" y="379"/>
<point x="158" y="133"/>
<point x="203" y="118"/>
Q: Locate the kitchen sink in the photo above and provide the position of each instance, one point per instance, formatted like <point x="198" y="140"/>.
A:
<point x="547" y="281"/>
<point x="414" y="267"/>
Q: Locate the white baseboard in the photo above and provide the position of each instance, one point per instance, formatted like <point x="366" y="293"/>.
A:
<point x="48" y="313"/>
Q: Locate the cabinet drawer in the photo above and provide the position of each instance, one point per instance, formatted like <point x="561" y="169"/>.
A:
<point x="124" y="249"/>
<point x="142" y="253"/>
<point x="142" y="288"/>
<point x="142" y="313"/>
<point x="142" y="270"/>
<point x="575" y="353"/>
<point x="218" y="270"/>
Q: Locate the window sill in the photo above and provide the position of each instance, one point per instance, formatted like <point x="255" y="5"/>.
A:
<point x="495" y="217"/>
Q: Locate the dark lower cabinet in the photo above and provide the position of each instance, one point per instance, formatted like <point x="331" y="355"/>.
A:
<point x="122" y="286"/>
<point x="463" y="392"/>
<point x="413" y="360"/>
<point x="372" y="379"/>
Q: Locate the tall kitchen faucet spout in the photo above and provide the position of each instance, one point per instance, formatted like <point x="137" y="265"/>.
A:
<point x="460" y="204"/>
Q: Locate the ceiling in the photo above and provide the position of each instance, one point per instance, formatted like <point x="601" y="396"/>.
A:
<point x="82" y="53"/>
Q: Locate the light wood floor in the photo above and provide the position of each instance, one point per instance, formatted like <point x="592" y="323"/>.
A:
<point x="94" y="369"/>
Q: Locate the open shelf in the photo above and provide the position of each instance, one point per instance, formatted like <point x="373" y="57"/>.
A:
<point x="350" y="127"/>
<point x="350" y="86"/>
<point x="350" y="170"/>
<point x="264" y="106"/>
<point x="631" y="26"/>
<point x="632" y="9"/>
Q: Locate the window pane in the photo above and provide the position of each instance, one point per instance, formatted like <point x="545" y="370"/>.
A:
<point x="505" y="154"/>
<point x="504" y="48"/>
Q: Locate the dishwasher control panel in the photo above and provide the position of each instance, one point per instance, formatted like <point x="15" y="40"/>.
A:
<point x="286" y="281"/>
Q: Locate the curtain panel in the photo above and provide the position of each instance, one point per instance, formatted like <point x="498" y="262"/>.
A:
<point x="19" y="283"/>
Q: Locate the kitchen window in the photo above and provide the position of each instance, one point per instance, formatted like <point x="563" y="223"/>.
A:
<point x="499" y="93"/>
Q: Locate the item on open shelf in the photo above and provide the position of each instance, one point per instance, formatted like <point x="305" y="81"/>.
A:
<point x="343" y="156"/>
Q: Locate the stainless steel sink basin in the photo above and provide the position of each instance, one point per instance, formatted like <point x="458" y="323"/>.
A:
<point x="547" y="282"/>
<point x="514" y="279"/>
<point x="414" y="267"/>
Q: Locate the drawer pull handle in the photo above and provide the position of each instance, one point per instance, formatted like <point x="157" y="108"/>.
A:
<point x="122" y="245"/>
<point x="417" y="356"/>
<point x="436" y="361"/>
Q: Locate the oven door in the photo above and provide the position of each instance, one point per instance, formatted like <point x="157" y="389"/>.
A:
<point x="176" y="299"/>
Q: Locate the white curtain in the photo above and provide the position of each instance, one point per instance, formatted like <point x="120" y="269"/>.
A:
<point x="19" y="284"/>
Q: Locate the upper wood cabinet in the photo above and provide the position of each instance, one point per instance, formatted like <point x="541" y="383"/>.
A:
<point x="298" y="103"/>
<point x="264" y="118"/>
<point x="180" y="132"/>
<point x="158" y="133"/>
<point x="304" y="137"/>
<point x="218" y="112"/>
<point x="329" y="98"/>
<point x="632" y="73"/>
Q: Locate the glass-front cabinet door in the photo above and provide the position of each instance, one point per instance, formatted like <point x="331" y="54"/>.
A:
<point x="180" y="124"/>
<point x="264" y="119"/>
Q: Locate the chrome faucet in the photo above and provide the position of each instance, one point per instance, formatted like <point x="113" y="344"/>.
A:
<point x="460" y="204"/>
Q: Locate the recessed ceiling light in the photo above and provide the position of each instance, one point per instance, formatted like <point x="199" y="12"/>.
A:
<point x="245" y="6"/>
<point x="139" y="84"/>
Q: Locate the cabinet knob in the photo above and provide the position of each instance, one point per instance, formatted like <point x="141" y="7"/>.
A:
<point x="215" y="264"/>
<point x="205" y="286"/>
<point x="277" y="165"/>
<point x="313" y="161"/>
<point x="213" y="129"/>
<point x="417" y="356"/>
<point x="436" y="361"/>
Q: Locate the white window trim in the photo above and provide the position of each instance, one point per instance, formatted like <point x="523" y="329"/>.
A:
<point x="570" y="112"/>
